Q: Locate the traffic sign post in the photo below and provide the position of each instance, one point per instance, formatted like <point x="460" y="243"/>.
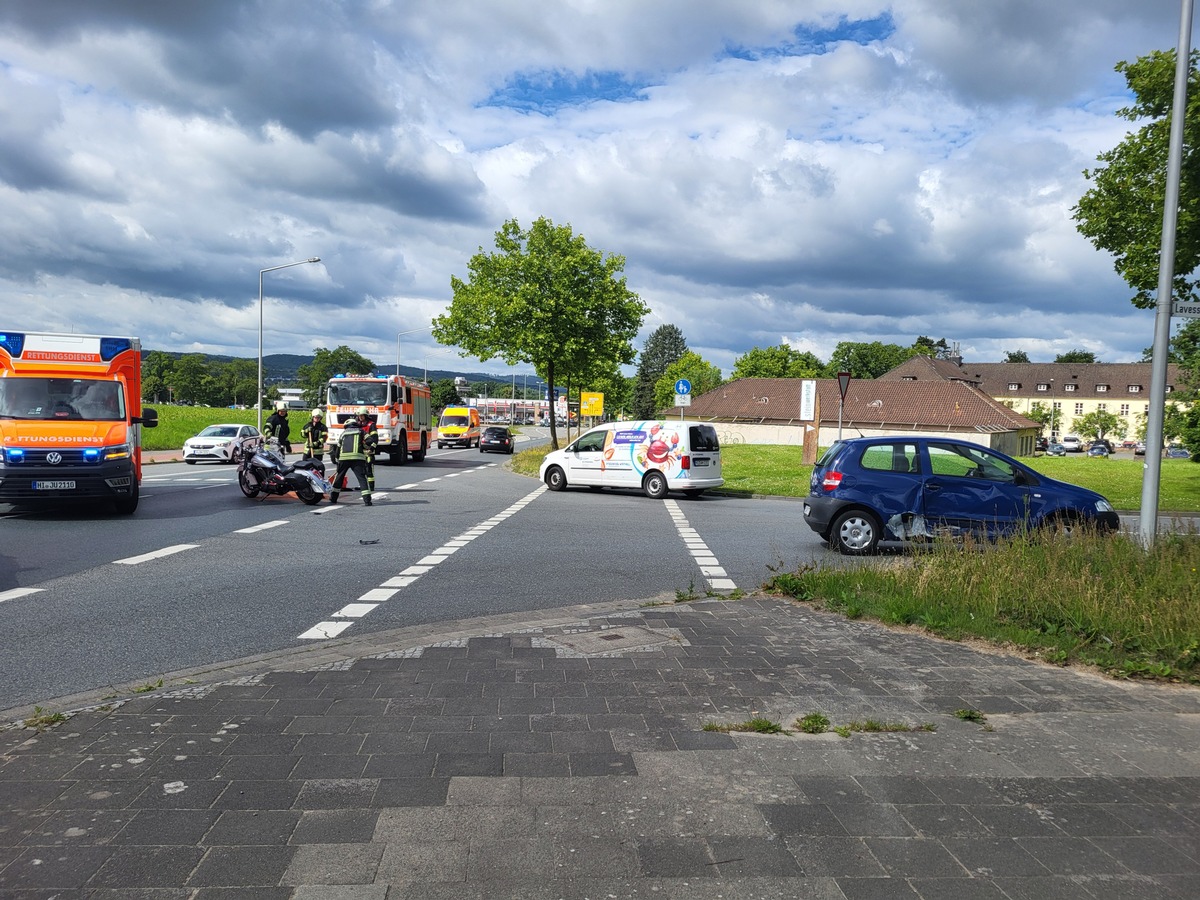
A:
<point x="843" y="384"/>
<point x="683" y="395"/>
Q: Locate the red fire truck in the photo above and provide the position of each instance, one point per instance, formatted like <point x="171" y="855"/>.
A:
<point x="399" y="407"/>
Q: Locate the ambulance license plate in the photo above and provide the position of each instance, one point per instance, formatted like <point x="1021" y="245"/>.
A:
<point x="54" y="485"/>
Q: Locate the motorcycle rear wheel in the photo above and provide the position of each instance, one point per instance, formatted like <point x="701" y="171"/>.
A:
<point x="309" y="496"/>
<point x="248" y="488"/>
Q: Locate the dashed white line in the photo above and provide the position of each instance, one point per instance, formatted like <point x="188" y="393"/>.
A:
<point x="710" y="566"/>
<point x="16" y="593"/>
<point x="155" y="554"/>
<point x="263" y="527"/>
<point x="345" y="617"/>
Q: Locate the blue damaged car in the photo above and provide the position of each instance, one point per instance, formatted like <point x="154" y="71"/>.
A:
<point x="876" y="492"/>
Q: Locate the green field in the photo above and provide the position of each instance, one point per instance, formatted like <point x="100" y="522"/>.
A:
<point x="178" y="423"/>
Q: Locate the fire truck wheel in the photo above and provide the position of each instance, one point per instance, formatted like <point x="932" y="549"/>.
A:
<point x="419" y="456"/>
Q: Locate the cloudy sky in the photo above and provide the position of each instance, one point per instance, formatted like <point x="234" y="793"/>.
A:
<point x="799" y="171"/>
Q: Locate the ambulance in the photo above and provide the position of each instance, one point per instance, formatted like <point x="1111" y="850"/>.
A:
<point x="71" y="419"/>
<point x="655" y="456"/>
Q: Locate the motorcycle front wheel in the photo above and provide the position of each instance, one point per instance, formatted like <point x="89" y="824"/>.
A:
<point x="249" y="488"/>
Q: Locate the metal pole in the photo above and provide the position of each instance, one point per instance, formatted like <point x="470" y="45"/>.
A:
<point x="841" y="405"/>
<point x="303" y="262"/>
<point x="1148" y="515"/>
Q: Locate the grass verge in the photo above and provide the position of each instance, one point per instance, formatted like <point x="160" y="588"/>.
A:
<point x="1089" y="600"/>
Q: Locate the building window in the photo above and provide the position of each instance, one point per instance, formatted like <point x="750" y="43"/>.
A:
<point x="1146" y="411"/>
<point x="1043" y="387"/>
<point x="1058" y="404"/>
<point x="1069" y="387"/>
<point x="1101" y="388"/>
<point x="1101" y="407"/>
<point x="1014" y="385"/>
<point x="909" y="378"/>
<point x="1169" y="389"/>
<point x="1135" y="388"/>
<point x="1124" y="409"/>
<point x="1079" y="409"/>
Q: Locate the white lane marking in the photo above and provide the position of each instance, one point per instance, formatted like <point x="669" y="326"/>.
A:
<point x="263" y="527"/>
<point x="155" y="554"/>
<point x="323" y="630"/>
<point x="372" y="598"/>
<point x="15" y="593"/>
<point x="355" y="610"/>
<point x="710" y="566"/>
<point x="331" y="508"/>
<point x="376" y="595"/>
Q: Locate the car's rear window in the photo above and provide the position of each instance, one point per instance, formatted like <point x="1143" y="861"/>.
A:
<point x="704" y="439"/>
<point x="830" y="454"/>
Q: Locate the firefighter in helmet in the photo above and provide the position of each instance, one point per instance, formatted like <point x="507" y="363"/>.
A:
<point x="352" y="457"/>
<point x="315" y="433"/>
<point x="277" y="427"/>
<point x="370" y="440"/>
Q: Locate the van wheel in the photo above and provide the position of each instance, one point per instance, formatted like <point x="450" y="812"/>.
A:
<point x="655" y="485"/>
<point x="127" y="505"/>
<point x="441" y="446"/>
<point x="855" y="533"/>
<point x="556" y="478"/>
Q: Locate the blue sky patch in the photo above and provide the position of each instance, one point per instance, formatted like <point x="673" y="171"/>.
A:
<point x="548" y="91"/>
<point x="818" y="40"/>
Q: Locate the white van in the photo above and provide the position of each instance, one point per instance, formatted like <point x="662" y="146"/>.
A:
<point x="656" y="456"/>
<point x="1072" y="444"/>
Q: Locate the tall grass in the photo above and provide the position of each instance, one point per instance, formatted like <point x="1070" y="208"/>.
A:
<point x="1090" y="599"/>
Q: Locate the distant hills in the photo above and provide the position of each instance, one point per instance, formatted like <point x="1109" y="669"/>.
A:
<point x="282" y="368"/>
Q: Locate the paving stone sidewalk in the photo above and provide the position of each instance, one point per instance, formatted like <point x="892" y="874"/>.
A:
<point x="571" y="761"/>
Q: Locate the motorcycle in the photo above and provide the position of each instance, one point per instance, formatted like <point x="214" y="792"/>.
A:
<point x="264" y="471"/>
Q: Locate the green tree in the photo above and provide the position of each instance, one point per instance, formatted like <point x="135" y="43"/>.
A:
<point x="1184" y="350"/>
<point x="1076" y="356"/>
<point x="664" y="346"/>
<point x="1123" y="210"/>
<point x="238" y="382"/>
<point x="1016" y="356"/>
<point x="863" y="360"/>
<point x="157" y="368"/>
<point x="443" y="393"/>
<point x="1045" y="416"/>
<point x="777" y="362"/>
<point x="544" y="298"/>
<point x="190" y="377"/>
<point x="927" y="346"/>
<point x="703" y="375"/>
<point x="326" y="363"/>
<point x="1100" y="424"/>
<point x="617" y="391"/>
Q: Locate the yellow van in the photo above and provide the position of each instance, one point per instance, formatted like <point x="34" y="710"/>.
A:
<point x="458" y="427"/>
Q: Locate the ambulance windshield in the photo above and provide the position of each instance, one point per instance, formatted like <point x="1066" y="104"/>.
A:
<point x="61" y="398"/>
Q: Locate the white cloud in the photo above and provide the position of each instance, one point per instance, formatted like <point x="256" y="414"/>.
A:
<point x="811" y="171"/>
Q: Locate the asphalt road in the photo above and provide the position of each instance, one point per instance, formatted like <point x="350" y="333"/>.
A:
<point x="201" y="574"/>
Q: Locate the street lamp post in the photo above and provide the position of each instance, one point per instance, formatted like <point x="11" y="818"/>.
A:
<point x="398" y="334"/>
<point x="303" y="262"/>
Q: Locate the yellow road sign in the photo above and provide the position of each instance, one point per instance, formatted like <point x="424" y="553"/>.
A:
<point x="591" y="404"/>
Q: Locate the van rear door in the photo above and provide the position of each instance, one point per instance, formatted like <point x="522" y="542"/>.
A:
<point x="705" y="451"/>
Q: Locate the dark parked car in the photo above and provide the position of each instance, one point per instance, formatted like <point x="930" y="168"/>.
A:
<point x="496" y="440"/>
<point x="890" y="491"/>
<point x="1097" y="449"/>
<point x="1056" y="449"/>
<point x="1139" y="449"/>
<point x="1178" y="453"/>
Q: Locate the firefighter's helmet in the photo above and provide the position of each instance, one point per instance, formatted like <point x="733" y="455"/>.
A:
<point x="318" y="413"/>
<point x="280" y="406"/>
<point x="361" y="411"/>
